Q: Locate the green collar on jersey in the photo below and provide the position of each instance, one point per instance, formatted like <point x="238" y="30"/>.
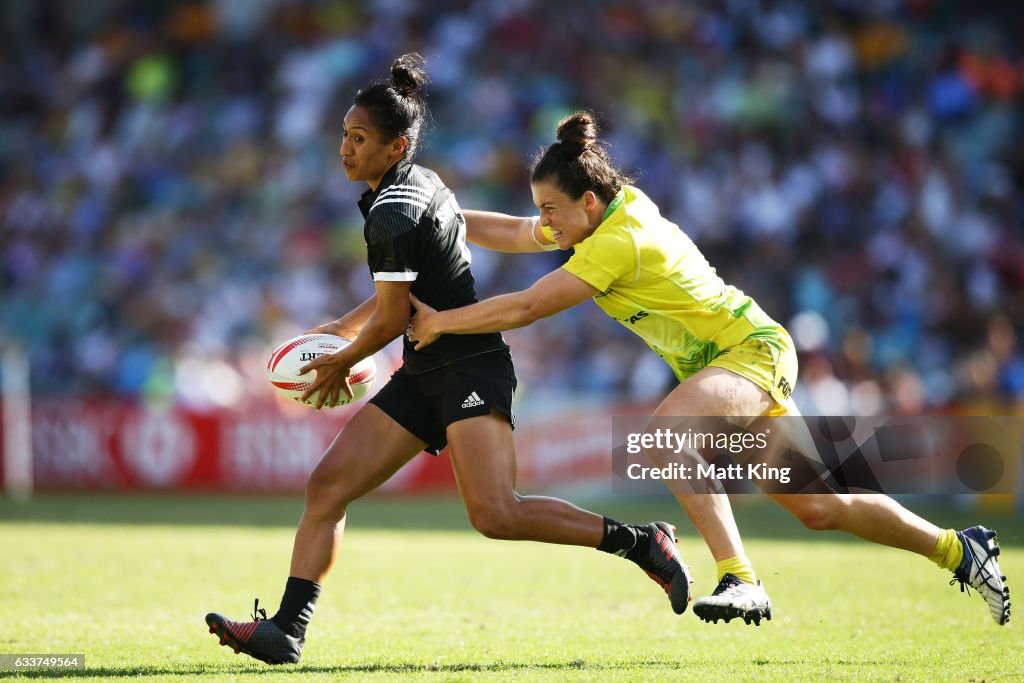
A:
<point x="616" y="203"/>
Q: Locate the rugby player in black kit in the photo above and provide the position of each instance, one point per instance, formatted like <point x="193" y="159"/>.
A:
<point x="455" y="393"/>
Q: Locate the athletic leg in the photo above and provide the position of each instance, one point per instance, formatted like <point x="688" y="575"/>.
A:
<point x="875" y="517"/>
<point x="370" y="449"/>
<point x="712" y="392"/>
<point x="483" y="458"/>
<point x="720" y="393"/>
<point x="367" y="452"/>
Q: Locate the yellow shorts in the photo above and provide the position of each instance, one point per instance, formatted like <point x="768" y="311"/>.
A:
<point x="767" y="358"/>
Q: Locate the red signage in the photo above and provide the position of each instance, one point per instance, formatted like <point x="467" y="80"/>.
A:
<point x="113" y="445"/>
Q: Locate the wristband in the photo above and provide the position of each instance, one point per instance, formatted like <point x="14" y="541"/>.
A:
<point x="546" y="232"/>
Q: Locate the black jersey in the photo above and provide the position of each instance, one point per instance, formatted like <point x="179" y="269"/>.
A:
<point x="416" y="233"/>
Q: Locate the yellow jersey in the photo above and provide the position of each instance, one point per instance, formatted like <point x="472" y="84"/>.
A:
<point x="653" y="279"/>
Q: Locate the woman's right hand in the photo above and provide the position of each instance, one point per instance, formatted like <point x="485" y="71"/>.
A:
<point x="331" y="379"/>
<point x="423" y="329"/>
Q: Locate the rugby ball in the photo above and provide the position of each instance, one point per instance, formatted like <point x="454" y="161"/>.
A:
<point x="288" y="358"/>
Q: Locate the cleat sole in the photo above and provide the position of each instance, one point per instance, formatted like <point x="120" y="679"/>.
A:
<point x="988" y="540"/>
<point x="714" y="613"/>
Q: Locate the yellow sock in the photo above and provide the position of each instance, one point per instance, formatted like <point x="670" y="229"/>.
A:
<point x="739" y="567"/>
<point x="949" y="552"/>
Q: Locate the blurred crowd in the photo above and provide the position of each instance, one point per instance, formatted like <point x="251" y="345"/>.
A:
<point x="172" y="201"/>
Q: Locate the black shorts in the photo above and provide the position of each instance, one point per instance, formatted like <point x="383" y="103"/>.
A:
<point x="425" y="404"/>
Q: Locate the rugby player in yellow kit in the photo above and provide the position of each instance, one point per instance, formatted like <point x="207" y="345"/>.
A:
<point x="730" y="357"/>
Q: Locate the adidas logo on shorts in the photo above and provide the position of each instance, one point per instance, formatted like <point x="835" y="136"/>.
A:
<point x="472" y="400"/>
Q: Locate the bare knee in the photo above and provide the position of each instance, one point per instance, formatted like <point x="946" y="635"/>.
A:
<point x="326" y="497"/>
<point x="820" y="512"/>
<point x="497" y="521"/>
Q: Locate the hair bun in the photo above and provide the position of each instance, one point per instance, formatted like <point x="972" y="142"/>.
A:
<point x="408" y="73"/>
<point x="577" y="133"/>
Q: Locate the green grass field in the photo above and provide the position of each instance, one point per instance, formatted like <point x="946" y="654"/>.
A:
<point x="417" y="596"/>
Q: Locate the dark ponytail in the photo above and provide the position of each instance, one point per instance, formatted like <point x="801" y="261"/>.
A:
<point x="408" y="73"/>
<point x="395" y="108"/>
<point x="579" y="161"/>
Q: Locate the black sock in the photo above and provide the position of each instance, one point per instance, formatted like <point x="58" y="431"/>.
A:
<point x="619" y="539"/>
<point x="297" y="605"/>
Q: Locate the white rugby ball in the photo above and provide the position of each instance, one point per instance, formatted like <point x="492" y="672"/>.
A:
<point x="288" y="358"/>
